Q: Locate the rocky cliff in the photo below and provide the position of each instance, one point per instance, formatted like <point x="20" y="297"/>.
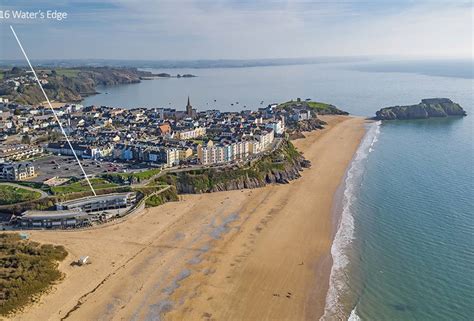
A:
<point x="280" y="167"/>
<point x="433" y="107"/>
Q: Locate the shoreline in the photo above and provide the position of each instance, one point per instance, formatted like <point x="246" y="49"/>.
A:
<point x="340" y="243"/>
<point x="259" y="253"/>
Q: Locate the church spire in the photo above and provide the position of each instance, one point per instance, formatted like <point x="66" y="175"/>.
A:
<point x="189" y="108"/>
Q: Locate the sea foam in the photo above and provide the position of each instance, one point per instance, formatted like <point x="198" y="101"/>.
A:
<point x="353" y="316"/>
<point x="338" y="280"/>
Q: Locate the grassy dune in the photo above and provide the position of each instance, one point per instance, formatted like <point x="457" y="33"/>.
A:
<point x="12" y="195"/>
<point x="26" y="269"/>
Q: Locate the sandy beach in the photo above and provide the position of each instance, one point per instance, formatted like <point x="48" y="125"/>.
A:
<point x="261" y="254"/>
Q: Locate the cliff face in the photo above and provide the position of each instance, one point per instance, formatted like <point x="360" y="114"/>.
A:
<point x="212" y="182"/>
<point x="280" y="167"/>
<point x="433" y="107"/>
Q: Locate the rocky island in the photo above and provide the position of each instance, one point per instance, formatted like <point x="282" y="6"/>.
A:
<point x="166" y="75"/>
<point x="432" y="107"/>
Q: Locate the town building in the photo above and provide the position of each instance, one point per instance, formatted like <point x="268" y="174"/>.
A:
<point x="16" y="171"/>
<point x="100" y="202"/>
<point x="164" y="128"/>
<point x="16" y="152"/>
<point x="54" y="219"/>
<point x="265" y="137"/>
<point x="184" y="153"/>
<point x="167" y="156"/>
<point x="190" y="133"/>
<point x="222" y="152"/>
<point x="82" y="150"/>
<point x="155" y="137"/>
<point x="277" y="126"/>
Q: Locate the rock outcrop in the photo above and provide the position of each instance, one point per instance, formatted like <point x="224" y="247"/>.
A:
<point x="433" y="107"/>
<point x="185" y="184"/>
<point x="296" y="129"/>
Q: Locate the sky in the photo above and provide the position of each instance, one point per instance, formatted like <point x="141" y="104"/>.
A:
<point x="240" y="29"/>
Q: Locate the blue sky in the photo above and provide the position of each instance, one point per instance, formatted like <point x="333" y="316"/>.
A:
<point x="204" y="29"/>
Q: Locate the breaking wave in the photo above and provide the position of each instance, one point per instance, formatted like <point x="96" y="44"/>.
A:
<point x="338" y="280"/>
<point x="353" y="316"/>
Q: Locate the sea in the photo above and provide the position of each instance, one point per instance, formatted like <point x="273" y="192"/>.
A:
<point x="404" y="239"/>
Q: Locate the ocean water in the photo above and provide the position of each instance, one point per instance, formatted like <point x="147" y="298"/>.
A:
<point x="404" y="246"/>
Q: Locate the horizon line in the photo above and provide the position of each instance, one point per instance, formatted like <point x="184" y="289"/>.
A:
<point x="409" y="57"/>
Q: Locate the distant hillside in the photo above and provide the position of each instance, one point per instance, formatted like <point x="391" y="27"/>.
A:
<point x="66" y="84"/>
<point x="433" y="107"/>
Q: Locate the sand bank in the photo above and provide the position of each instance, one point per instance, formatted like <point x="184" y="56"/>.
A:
<point x="260" y="254"/>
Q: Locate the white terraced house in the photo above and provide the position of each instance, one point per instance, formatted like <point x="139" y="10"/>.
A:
<point x="223" y="152"/>
<point x="14" y="152"/>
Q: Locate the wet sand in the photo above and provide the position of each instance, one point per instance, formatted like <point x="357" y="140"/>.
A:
<point x="261" y="254"/>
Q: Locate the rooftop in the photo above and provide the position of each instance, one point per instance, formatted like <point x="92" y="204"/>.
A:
<point x="98" y="198"/>
<point x="38" y="215"/>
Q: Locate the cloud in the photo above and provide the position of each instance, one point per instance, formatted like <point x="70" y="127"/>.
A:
<point x="207" y="29"/>
<point x="425" y="30"/>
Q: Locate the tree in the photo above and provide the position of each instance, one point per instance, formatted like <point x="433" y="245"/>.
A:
<point x="26" y="139"/>
<point x="54" y="136"/>
<point x="15" y="70"/>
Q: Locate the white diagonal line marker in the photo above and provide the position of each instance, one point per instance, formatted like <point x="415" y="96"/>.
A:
<point x="54" y="113"/>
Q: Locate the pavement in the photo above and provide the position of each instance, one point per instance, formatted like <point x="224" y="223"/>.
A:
<point x="66" y="166"/>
